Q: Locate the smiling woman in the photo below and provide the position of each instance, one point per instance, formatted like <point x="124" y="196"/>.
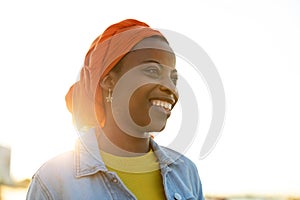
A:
<point x="127" y="89"/>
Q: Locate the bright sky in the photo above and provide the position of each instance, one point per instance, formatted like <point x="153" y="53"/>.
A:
<point x="255" y="46"/>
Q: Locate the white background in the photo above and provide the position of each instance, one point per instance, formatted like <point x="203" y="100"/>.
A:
<point x="255" y="46"/>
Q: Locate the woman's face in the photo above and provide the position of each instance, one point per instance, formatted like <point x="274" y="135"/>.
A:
<point x="146" y="83"/>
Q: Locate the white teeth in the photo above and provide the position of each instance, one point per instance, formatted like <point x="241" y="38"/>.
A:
<point x="163" y="104"/>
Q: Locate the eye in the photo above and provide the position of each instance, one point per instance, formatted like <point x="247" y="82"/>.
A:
<point x="174" y="78"/>
<point x="152" y="71"/>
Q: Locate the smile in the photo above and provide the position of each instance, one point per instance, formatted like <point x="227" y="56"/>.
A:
<point x="163" y="104"/>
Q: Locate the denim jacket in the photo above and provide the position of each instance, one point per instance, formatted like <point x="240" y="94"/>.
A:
<point x="81" y="174"/>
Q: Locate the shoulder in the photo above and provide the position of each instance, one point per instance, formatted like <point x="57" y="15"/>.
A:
<point x="59" y="162"/>
<point x="51" y="177"/>
<point x="56" y="168"/>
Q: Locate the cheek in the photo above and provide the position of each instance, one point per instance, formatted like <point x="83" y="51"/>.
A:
<point x="139" y="96"/>
<point x="139" y="106"/>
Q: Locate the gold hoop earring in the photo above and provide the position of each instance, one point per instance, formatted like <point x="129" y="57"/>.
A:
<point x="109" y="98"/>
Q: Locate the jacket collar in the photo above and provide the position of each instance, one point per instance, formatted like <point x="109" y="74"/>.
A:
<point x="88" y="161"/>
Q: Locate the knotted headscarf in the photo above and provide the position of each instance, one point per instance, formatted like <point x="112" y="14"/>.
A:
<point x="105" y="52"/>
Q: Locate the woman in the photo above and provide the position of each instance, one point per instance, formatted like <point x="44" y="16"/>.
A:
<point x="127" y="89"/>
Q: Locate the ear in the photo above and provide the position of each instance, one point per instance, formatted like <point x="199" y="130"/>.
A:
<point x="108" y="81"/>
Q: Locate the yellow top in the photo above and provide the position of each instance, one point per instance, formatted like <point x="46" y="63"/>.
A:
<point x="140" y="174"/>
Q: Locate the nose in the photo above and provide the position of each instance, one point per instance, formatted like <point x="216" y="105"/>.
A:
<point x="170" y="91"/>
<point x="167" y="85"/>
<point x="165" y="89"/>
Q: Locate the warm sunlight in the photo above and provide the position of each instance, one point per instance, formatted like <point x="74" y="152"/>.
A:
<point x="254" y="46"/>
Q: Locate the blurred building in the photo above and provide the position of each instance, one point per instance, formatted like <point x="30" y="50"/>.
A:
<point x="5" y="178"/>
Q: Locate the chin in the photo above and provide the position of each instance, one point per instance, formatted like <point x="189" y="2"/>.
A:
<point x="158" y="129"/>
<point x="163" y="128"/>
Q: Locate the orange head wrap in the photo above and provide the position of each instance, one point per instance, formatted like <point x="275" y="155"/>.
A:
<point x="105" y="52"/>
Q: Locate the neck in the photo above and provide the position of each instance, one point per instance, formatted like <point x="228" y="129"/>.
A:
<point x="113" y="140"/>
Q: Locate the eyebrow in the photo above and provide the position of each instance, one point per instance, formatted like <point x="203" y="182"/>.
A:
<point x="153" y="61"/>
<point x="159" y="64"/>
